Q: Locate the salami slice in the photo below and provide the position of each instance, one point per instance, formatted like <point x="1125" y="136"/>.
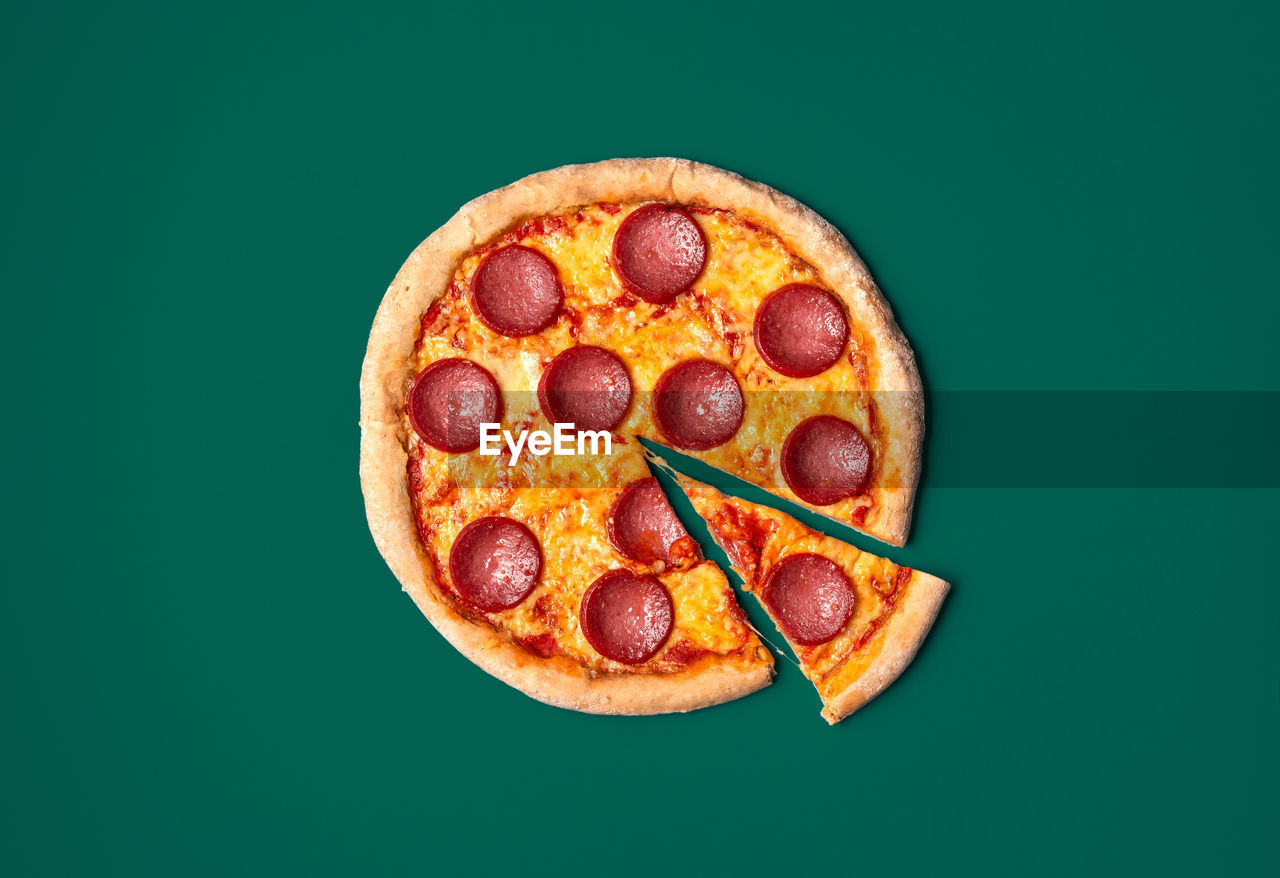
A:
<point x="810" y="598"/>
<point x="626" y="617"/>
<point x="658" y="252"/>
<point x="697" y="404"/>
<point x="800" y="330"/>
<point x="448" y="402"/>
<point x="642" y="525"/>
<point x="585" y="386"/>
<point x="495" y="563"/>
<point x="825" y="459"/>
<point x="516" y="291"/>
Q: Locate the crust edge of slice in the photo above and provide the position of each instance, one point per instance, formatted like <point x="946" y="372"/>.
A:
<point x="908" y="626"/>
<point x="906" y="631"/>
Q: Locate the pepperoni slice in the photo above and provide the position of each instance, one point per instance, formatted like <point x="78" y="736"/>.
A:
<point x="495" y="563"/>
<point x="697" y="404"/>
<point x="642" y="525"/>
<point x="810" y="598"/>
<point x="585" y="386"/>
<point x="626" y="617"/>
<point x="658" y="252"/>
<point x="825" y="459"/>
<point x="800" y="330"/>
<point x="516" y="291"/>
<point x="448" y="402"/>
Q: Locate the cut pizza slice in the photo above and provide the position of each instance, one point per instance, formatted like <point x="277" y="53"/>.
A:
<point x="855" y="621"/>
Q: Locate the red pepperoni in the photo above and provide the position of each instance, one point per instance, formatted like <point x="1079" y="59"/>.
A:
<point x="586" y="386"/>
<point x="516" y="291"/>
<point x="642" y="525"/>
<point x="825" y="459"/>
<point x="448" y="402"/>
<point x="495" y="563"/>
<point x="658" y="252"/>
<point x="626" y="617"/>
<point x="810" y="598"/>
<point x="800" y="330"/>
<point x="697" y="404"/>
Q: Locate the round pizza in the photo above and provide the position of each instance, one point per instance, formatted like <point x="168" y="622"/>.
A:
<point x="527" y="347"/>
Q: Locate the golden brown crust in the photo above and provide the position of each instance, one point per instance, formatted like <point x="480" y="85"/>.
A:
<point x="388" y="370"/>
<point x="910" y="623"/>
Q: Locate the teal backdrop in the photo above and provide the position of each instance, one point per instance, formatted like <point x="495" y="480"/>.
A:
<point x="208" y="669"/>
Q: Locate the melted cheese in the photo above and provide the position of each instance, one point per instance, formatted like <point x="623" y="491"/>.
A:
<point x="773" y="536"/>
<point x="565" y="501"/>
<point x="744" y="264"/>
<point x="569" y="524"/>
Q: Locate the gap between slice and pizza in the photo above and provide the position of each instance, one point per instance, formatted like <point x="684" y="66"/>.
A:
<point x="845" y="675"/>
<point x="663" y="468"/>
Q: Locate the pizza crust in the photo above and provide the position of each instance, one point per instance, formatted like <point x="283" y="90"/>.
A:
<point x="388" y="370"/>
<point x="907" y="628"/>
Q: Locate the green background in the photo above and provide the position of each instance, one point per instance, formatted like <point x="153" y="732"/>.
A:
<point x="208" y="669"/>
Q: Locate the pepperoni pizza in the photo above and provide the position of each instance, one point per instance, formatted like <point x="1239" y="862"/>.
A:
<point x="653" y="298"/>
<point x="854" y="620"/>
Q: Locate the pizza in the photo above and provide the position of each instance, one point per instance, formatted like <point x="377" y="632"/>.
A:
<point x="854" y="620"/>
<point x="654" y="299"/>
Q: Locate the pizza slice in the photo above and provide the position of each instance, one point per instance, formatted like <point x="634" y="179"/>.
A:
<point x="854" y="620"/>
